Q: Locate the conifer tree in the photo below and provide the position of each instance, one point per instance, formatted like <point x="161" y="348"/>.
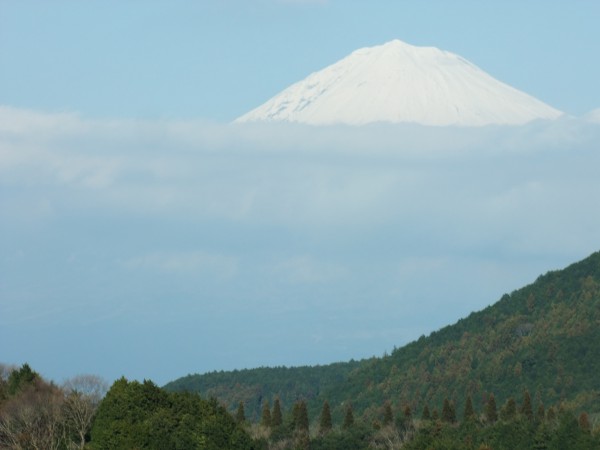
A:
<point x="526" y="408"/>
<point x="435" y="415"/>
<point x="509" y="410"/>
<point x="240" y="415"/>
<point x="325" y="424"/>
<point x="491" y="413"/>
<point x="265" y="419"/>
<point x="426" y="415"/>
<point x="407" y="412"/>
<point x="388" y="415"/>
<point x="584" y="422"/>
<point x="348" y="417"/>
<point x="540" y="414"/>
<point x="469" y="413"/>
<point x="276" y="417"/>
<point x="301" y="416"/>
<point x="448" y="412"/>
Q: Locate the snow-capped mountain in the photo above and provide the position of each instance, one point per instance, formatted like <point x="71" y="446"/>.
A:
<point x="397" y="82"/>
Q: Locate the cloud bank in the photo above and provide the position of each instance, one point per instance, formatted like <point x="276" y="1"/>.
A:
<point x="299" y="244"/>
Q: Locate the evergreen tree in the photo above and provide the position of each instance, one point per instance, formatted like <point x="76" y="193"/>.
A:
<point x="18" y="379"/>
<point x="265" y="419"/>
<point x="540" y="414"/>
<point x="325" y="424"/>
<point x="448" y="412"/>
<point x="240" y="415"/>
<point x="491" y="413"/>
<point x="469" y="413"/>
<point x="435" y="415"/>
<point x="348" y="417"/>
<point x="426" y="415"/>
<point x="509" y="411"/>
<point x="388" y="415"/>
<point x="276" y="417"/>
<point x="526" y="408"/>
<point x="301" y="416"/>
<point x="407" y="413"/>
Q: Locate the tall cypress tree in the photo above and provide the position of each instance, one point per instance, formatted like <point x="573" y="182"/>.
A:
<point x="325" y="424"/>
<point x="276" y="417"/>
<point x="265" y="419"/>
<point x="348" y="417"/>
<point x="469" y="413"/>
<point x="301" y="416"/>
<point x="526" y="408"/>
<point x="426" y="415"/>
<point x="448" y="412"/>
<point x="240" y="415"/>
<point x="388" y="415"/>
<point x="491" y="412"/>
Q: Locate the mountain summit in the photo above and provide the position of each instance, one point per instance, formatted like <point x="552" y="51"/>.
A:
<point x="397" y="82"/>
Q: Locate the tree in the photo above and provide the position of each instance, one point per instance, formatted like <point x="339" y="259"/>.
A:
<point x="83" y="394"/>
<point x="388" y="415"/>
<point x="469" y="413"/>
<point x="426" y="415"/>
<point x="448" y="412"/>
<point x="276" y="417"/>
<point x="491" y="413"/>
<point x="301" y="416"/>
<point x="21" y="378"/>
<point x="584" y="422"/>
<point x="526" y="408"/>
<point x="509" y="410"/>
<point x="348" y="417"/>
<point x="32" y="417"/>
<point x="240" y="414"/>
<point x="265" y="419"/>
<point x="325" y="424"/>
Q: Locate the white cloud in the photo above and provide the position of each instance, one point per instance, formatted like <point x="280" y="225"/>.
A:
<point x="189" y="263"/>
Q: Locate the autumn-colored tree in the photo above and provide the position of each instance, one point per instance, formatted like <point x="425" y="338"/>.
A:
<point x="584" y="422"/>
<point x="325" y="424"/>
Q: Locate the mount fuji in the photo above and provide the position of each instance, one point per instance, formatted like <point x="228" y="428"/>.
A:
<point x="397" y="82"/>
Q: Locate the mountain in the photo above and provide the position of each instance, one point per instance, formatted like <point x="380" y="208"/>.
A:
<point x="397" y="82"/>
<point x="544" y="338"/>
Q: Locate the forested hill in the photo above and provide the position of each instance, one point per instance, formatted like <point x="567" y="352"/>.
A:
<point x="543" y="338"/>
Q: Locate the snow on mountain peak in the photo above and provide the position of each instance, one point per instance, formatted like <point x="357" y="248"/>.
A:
<point x="398" y="82"/>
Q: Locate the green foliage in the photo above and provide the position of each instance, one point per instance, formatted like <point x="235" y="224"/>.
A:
<point x="265" y="419"/>
<point x="137" y="415"/>
<point x="240" y="414"/>
<point x="325" y="423"/>
<point x="348" y="417"/>
<point x="469" y="413"/>
<point x="544" y="336"/>
<point x="20" y="379"/>
<point x="276" y="417"/>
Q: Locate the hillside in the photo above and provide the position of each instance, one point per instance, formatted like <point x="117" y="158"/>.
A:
<point x="544" y="338"/>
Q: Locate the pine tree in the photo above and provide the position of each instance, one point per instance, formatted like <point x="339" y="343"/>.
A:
<point x="276" y="417"/>
<point x="325" y="424"/>
<point x="388" y="415"/>
<point x="407" y="412"/>
<point x="584" y="422"/>
<point x="491" y="413"/>
<point x="540" y="414"/>
<point x="240" y="415"/>
<point x="469" y="413"/>
<point x="265" y="419"/>
<point x="526" y="408"/>
<point x="435" y="415"/>
<point x="348" y="417"/>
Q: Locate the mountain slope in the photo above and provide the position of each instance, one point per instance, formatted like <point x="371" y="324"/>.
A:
<point x="544" y="338"/>
<point x="397" y="82"/>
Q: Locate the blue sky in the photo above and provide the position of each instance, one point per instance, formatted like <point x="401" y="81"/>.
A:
<point x="143" y="235"/>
